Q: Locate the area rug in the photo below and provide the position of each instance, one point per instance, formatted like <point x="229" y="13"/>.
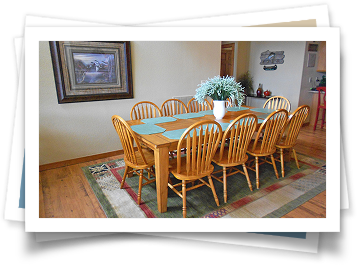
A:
<point x="275" y="198"/>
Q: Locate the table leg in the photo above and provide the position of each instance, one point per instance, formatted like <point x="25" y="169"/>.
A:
<point x="162" y="174"/>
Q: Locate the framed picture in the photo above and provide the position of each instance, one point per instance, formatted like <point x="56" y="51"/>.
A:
<point x="89" y="71"/>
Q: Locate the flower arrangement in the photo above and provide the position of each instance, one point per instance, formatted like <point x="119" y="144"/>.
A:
<point x="220" y="88"/>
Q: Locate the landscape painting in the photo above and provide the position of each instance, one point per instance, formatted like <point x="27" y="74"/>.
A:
<point x="94" y="68"/>
<point x="89" y="71"/>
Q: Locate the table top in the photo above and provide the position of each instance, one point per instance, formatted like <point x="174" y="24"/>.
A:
<point x="157" y="140"/>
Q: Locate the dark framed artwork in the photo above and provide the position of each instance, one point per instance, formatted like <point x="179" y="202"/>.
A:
<point x="89" y="70"/>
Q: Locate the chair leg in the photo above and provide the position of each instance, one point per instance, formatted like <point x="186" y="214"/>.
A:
<point x="257" y="171"/>
<point x="282" y="162"/>
<point x="148" y="171"/>
<point x="296" y="160"/>
<point x="125" y="175"/>
<point x="213" y="190"/>
<point x="247" y="176"/>
<point x="225" y="184"/>
<point x="140" y="185"/>
<point x="323" y="118"/>
<point x="273" y="162"/>
<point x="169" y="180"/>
<point x="184" y="198"/>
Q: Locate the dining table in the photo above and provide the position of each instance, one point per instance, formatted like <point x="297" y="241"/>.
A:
<point x="162" y="135"/>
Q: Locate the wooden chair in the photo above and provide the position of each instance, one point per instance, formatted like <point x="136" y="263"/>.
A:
<point x="201" y="141"/>
<point x="264" y="146"/>
<point x="172" y="107"/>
<point x="135" y="160"/>
<point x="321" y="105"/>
<point x="293" y="126"/>
<point x="238" y="134"/>
<point x="194" y="106"/>
<point x="277" y="102"/>
<point x="145" y="110"/>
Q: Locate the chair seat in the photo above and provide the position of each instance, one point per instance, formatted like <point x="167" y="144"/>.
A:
<point x="282" y="143"/>
<point x="284" y="146"/>
<point x="257" y="150"/>
<point x="183" y="175"/>
<point x="149" y="156"/>
<point x="224" y="161"/>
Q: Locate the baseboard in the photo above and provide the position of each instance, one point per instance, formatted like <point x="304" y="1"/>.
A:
<point x="79" y="160"/>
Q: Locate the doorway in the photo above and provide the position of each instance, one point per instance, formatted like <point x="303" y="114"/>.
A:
<point x="227" y="59"/>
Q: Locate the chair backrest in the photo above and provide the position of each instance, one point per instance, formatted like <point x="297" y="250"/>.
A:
<point x="230" y="103"/>
<point x="145" y="110"/>
<point x="201" y="141"/>
<point x="277" y="102"/>
<point x="194" y="106"/>
<point x="294" y="124"/>
<point x="239" y="133"/>
<point x="271" y="130"/>
<point x="172" y="107"/>
<point x="128" y="140"/>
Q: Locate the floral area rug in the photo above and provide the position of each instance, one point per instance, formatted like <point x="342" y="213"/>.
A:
<point x="275" y="198"/>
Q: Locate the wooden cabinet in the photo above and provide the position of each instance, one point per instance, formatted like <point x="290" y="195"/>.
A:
<point x="321" y="64"/>
<point x="255" y="102"/>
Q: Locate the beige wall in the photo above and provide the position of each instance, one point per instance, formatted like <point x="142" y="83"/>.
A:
<point x="161" y="70"/>
<point x="243" y="57"/>
<point x="286" y="80"/>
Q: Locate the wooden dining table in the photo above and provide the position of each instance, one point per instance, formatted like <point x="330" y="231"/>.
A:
<point x="162" y="145"/>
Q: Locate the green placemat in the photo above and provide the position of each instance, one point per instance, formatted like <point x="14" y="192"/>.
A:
<point x="224" y="125"/>
<point x="147" y="129"/>
<point x="176" y="134"/>
<point x="263" y="110"/>
<point x="158" y="120"/>
<point x="263" y="116"/>
<point x="237" y="108"/>
<point x="206" y="112"/>
<point x="188" y="115"/>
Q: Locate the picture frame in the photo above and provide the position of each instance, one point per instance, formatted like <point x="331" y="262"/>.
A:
<point x="91" y="70"/>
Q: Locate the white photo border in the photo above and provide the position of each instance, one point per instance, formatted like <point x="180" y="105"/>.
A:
<point x="35" y="224"/>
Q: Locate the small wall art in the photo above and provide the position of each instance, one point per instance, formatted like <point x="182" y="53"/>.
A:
<point x="273" y="58"/>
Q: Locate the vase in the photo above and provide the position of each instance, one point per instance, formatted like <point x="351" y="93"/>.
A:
<point x="219" y="109"/>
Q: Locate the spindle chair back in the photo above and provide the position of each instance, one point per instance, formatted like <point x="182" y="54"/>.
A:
<point x="277" y="102"/>
<point x="194" y="106"/>
<point x="172" y="107"/>
<point x="145" y="110"/>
